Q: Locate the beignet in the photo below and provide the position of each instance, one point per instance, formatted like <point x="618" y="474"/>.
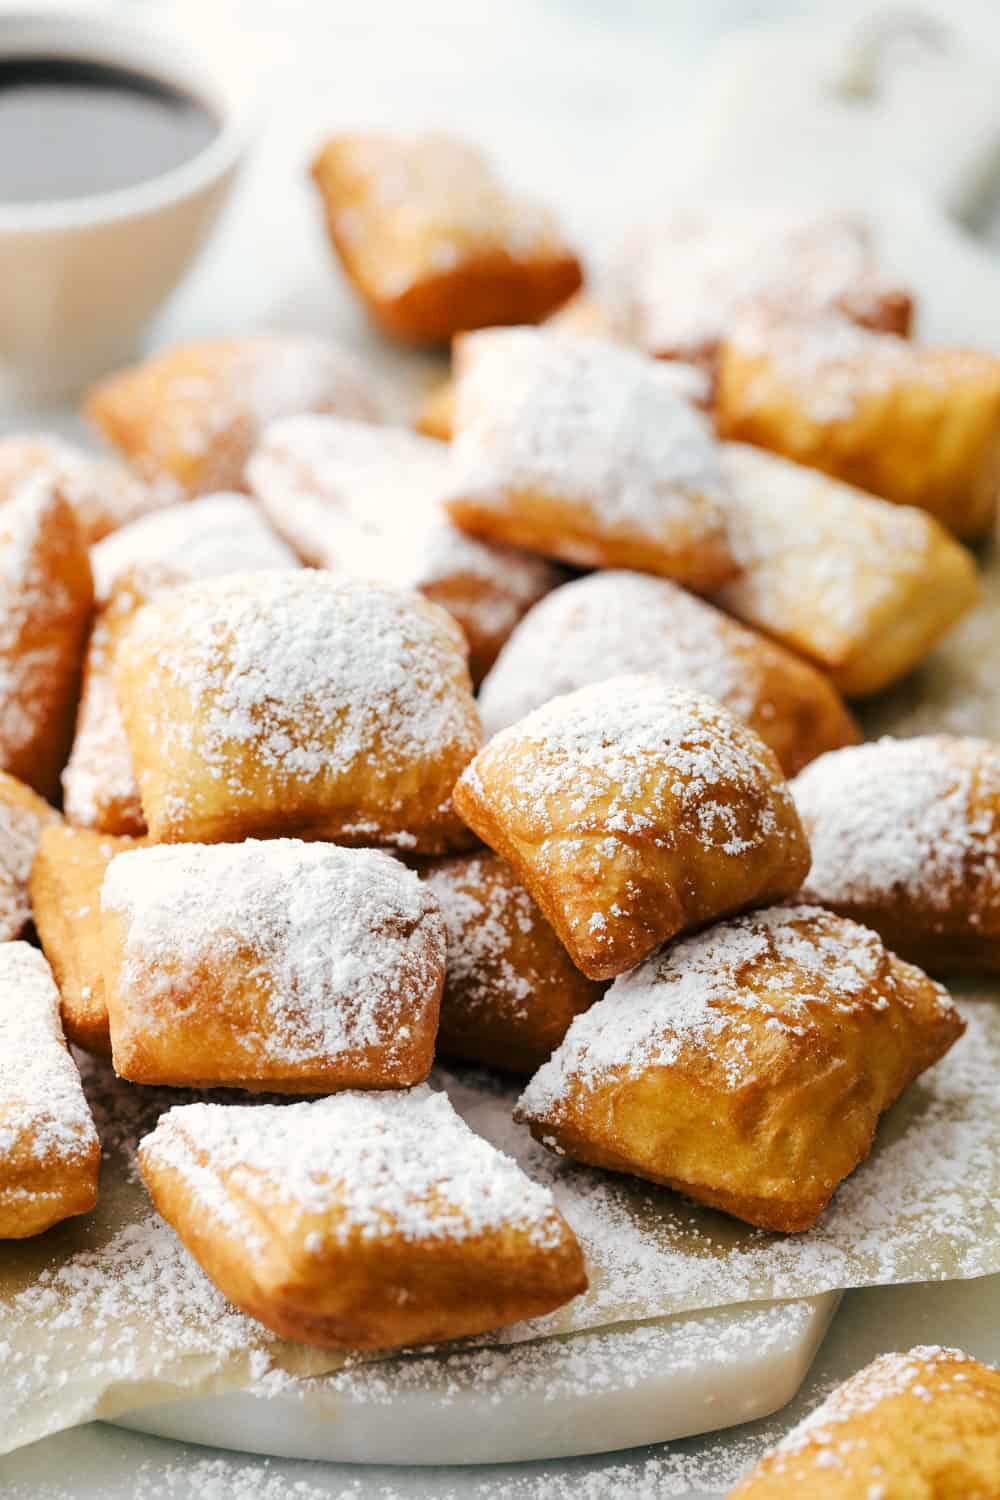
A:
<point x="510" y="989"/>
<point x="49" y="1152"/>
<point x="275" y="965"/>
<point x="368" y="1221"/>
<point x="861" y="587"/>
<point x="617" y="622"/>
<point x="192" y="413"/>
<point x="23" y="816"/>
<point x="634" y="809"/>
<point x="905" y="837"/>
<point x="585" y="451"/>
<point x="103" y="494"/>
<point x="924" y="1425"/>
<point x="46" y="596"/>
<point x="65" y="887"/>
<point x="918" y="426"/>
<point x="747" y="1066"/>
<point x="433" y="242"/>
<point x="365" y="501"/>
<point x="289" y="702"/>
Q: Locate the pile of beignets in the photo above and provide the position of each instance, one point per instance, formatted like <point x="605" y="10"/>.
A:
<point x="677" y="525"/>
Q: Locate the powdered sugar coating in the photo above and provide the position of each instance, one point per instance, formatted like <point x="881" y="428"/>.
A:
<point x="43" y="1111"/>
<point x="692" y="994"/>
<point x="345" y="948"/>
<point x="22" y="819"/>
<point x="403" y="1165"/>
<point x="216" y="534"/>
<point x="102" y="493"/>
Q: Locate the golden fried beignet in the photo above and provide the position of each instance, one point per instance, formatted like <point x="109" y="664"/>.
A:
<point x="65" y="887"/>
<point x="510" y="990"/>
<point x="679" y="286"/>
<point x="918" y="426"/>
<point x="289" y="702"/>
<point x="634" y="809"/>
<point x="924" y="1425"/>
<point x="433" y="242"/>
<point x="585" y="451"/>
<point x="23" y="816"/>
<point x="905" y="837"/>
<point x="49" y="1152"/>
<point x="365" y="501"/>
<point x="102" y="493"/>
<point x="193" y="413"/>
<point x="861" y="587"/>
<point x="747" y="1066"/>
<point x="46" y="596"/>
<point x="367" y="1221"/>
<point x="613" y="622"/>
<point x="436" y="413"/>
<point x="273" y="964"/>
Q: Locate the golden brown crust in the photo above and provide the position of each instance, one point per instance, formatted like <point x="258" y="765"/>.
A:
<point x="102" y="493"/>
<point x="510" y="990"/>
<point x="450" y="249"/>
<point x="633" y="810"/>
<point x="23" y="817"/>
<point x="917" y="426"/>
<point x="746" y="1067"/>
<point x="908" y="1426"/>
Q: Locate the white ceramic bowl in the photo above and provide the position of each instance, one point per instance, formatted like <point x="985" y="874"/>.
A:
<point x="79" y="277"/>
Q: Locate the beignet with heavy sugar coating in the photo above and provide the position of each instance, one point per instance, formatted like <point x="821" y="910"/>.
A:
<point x="102" y="494"/>
<point x="585" y="451"/>
<point x="49" y="1152"/>
<point x="192" y="413"/>
<point x="46" y="596"/>
<point x="368" y="1221"/>
<point x="65" y="887"/>
<point x="291" y="702"/>
<point x="277" y="965"/>
<point x="921" y="1425"/>
<point x="918" y="426"/>
<point x="905" y="837"/>
<point x="433" y="242"/>
<point x="365" y="500"/>
<point x="746" y="1066"/>
<point x="633" y="809"/>
<point x="23" y="817"/>
<point x="510" y="989"/>
<point x="616" y="622"/>
<point x="862" y="587"/>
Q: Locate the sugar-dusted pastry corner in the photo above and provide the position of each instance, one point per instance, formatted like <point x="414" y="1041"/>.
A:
<point x="191" y="414"/>
<point x="861" y="587"/>
<point x="588" y="452"/>
<point x="102" y="493"/>
<point x="905" y="837"/>
<point x="369" y="1221"/>
<point x="746" y="1066"/>
<point x="633" y="809"/>
<point x="921" y="1423"/>
<point x="615" y="622"/>
<point x="23" y="818"/>
<point x="511" y="989"/>
<point x="49" y="1152"/>
<point x="364" y="500"/>
<point x="284" y="702"/>
<point x="270" y="965"/>
<point x="433" y="242"/>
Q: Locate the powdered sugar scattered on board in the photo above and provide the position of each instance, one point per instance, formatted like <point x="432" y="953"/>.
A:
<point x="343" y="948"/>
<point x="918" y="818"/>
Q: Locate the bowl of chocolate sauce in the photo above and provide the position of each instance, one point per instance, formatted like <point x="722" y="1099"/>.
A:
<point x="118" y="146"/>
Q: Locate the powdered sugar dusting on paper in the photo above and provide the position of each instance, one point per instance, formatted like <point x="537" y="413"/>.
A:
<point x="344" y="947"/>
<point x="910" y="817"/>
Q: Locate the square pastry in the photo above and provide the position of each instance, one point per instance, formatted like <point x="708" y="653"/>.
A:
<point x="270" y="965"/>
<point x="632" y="810"/>
<point x="367" y="1221"/>
<point x="747" y="1066"/>
<point x="293" y="703"/>
<point x="49" y="1151"/>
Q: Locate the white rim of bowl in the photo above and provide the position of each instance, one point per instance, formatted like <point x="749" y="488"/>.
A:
<point x="106" y="37"/>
